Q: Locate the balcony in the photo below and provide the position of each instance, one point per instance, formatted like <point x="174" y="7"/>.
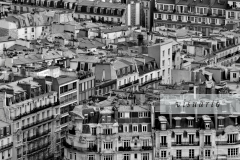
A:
<point x="128" y="84"/>
<point x="185" y="144"/>
<point x="185" y="158"/>
<point x="36" y="109"/>
<point x="37" y="122"/>
<point x="80" y="149"/>
<point x="6" y="146"/>
<point x="124" y="149"/>
<point x="227" y="143"/>
<point x="147" y="148"/>
<point x="38" y="135"/>
<point x="151" y="81"/>
<point x="207" y="144"/>
<point x="163" y="145"/>
<point x="38" y="148"/>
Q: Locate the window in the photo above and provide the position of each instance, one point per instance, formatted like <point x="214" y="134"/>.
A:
<point x="179" y="154"/>
<point x="207" y="140"/>
<point x="91" y="157"/>
<point x="94" y="131"/>
<point x="169" y="52"/>
<point x="163" y="140"/>
<point x="234" y="75"/>
<point x="220" y="123"/>
<point x="70" y="155"/>
<point x="207" y="153"/>
<point x="145" y="156"/>
<point x="107" y="157"/>
<point x="25" y="30"/>
<point x="178" y="139"/>
<point x="142" y="114"/>
<point x="126" y="157"/>
<point x="163" y="126"/>
<point x="145" y="142"/>
<point x="163" y="53"/>
<point x="163" y="154"/>
<point x="144" y="128"/>
<point x="107" y="131"/>
<point x="107" y="145"/>
<point x="190" y="123"/>
<point x="125" y="128"/>
<point x="191" y="153"/>
<point x="207" y="126"/>
<point x="32" y="29"/>
<point x="232" y="138"/>
<point x="232" y="152"/>
<point x="126" y="143"/>
<point x="135" y="128"/>
<point x="135" y="156"/>
<point x="163" y="63"/>
<point x="191" y="138"/>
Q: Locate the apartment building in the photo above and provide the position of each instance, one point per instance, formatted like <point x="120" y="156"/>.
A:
<point x="232" y="12"/>
<point x="67" y="89"/>
<point x="149" y="72"/>
<point x="162" y="53"/>
<point x="197" y="15"/>
<point x="31" y="104"/>
<point x="110" y="131"/>
<point x="6" y="143"/>
<point x="196" y="135"/>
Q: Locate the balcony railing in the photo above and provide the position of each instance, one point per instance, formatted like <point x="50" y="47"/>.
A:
<point x="185" y="144"/>
<point x="37" y="122"/>
<point x="128" y="84"/>
<point x="186" y="158"/>
<point x="162" y="145"/>
<point x="38" y="135"/>
<point x="36" y="109"/>
<point x="151" y="81"/>
<point x="207" y="143"/>
<point x="80" y="149"/>
<point x="124" y="149"/>
<point x="39" y="147"/>
<point x="6" y="146"/>
<point x="227" y="143"/>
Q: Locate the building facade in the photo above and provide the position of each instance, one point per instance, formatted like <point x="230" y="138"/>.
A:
<point x="32" y="107"/>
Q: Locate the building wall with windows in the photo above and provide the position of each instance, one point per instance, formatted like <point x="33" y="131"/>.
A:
<point x="6" y="142"/>
<point x="32" y="112"/>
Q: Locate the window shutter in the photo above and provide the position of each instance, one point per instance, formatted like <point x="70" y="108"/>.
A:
<point x="130" y="128"/>
<point x="197" y="134"/>
<point x="149" y="128"/>
<point x="185" y="134"/>
<point x="139" y="128"/>
<point x="173" y="134"/>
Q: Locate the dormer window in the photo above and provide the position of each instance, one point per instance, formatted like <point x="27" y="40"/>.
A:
<point x="88" y="9"/>
<point x="95" y="10"/>
<point x="207" y="125"/>
<point x="108" y="119"/>
<point x="128" y="69"/>
<point x="178" y="124"/>
<point x="190" y="121"/>
<point x="220" y="122"/>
